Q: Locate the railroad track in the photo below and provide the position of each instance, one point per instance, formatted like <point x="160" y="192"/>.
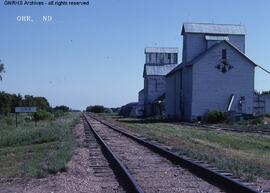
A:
<point x="237" y="130"/>
<point x="145" y="167"/>
<point x="107" y="179"/>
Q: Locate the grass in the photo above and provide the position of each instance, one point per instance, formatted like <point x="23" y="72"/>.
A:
<point x="35" y="151"/>
<point x="245" y="155"/>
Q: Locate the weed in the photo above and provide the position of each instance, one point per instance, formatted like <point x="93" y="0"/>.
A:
<point x="29" y="151"/>
<point x="245" y="155"/>
<point x="215" y="116"/>
<point x="257" y="121"/>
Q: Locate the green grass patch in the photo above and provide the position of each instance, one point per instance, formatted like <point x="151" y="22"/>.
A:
<point x="35" y="151"/>
<point x="245" y="155"/>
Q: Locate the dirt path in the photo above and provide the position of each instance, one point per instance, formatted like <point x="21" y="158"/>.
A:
<point x="79" y="177"/>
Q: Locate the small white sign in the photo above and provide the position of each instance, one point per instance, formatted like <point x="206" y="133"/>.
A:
<point x="26" y="109"/>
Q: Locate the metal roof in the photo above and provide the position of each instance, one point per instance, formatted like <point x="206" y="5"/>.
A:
<point x="158" y="70"/>
<point x="178" y="67"/>
<point x="210" y="28"/>
<point x="161" y="50"/>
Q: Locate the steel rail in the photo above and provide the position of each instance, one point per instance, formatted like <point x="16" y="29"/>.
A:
<point x="129" y="183"/>
<point x="225" y="183"/>
<point x="235" y="130"/>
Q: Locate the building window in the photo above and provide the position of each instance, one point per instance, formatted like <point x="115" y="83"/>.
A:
<point x="169" y="58"/>
<point x="224" y="54"/>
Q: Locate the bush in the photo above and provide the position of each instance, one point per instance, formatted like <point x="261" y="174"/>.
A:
<point x="215" y="116"/>
<point x="95" y="109"/>
<point x="28" y="118"/>
<point x="9" y="121"/>
<point x="42" y="115"/>
<point x="256" y="121"/>
<point x="59" y="113"/>
<point x="108" y="110"/>
<point x="62" y="108"/>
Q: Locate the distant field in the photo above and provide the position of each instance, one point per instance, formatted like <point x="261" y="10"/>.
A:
<point x="29" y="151"/>
<point x="246" y="155"/>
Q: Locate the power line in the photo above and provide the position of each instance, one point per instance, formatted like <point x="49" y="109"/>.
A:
<point x="264" y="69"/>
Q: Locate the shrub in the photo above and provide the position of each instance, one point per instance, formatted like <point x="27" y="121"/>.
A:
<point x="9" y="121"/>
<point x="215" y="116"/>
<point x="95" y="109"/>
<point x="42" y="115"/>
<point x="59" y="113"/>
<point x="108" y="110"/>
<point x="256" y="121"/>
<point x="28" y="118"/>
<point x="62" y="108"/>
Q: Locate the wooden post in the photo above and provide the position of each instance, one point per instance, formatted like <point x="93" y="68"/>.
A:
<point x="33" y="114"/>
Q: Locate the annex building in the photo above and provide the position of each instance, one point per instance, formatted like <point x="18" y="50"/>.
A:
<point x="158" y="63"/>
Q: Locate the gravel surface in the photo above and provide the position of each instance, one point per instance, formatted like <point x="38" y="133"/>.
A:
<point x="153" y="172"/>
<point x="259" y="184"/>
<point x="81" y="176"/>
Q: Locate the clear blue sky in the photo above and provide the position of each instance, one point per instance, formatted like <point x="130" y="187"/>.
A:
<point x="95" y="55"/>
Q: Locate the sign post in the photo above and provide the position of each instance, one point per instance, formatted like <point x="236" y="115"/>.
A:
<point x="24" y="110"/>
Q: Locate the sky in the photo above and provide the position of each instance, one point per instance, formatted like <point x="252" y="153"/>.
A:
<point x="95" y="54"/>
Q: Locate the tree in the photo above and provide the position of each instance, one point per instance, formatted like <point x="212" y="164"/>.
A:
<point x="39" y="102"/>
<point x="2" y="70"/>
<point x="62" y="108"/>
<point x="8" y="102"/>
<point x="95" y="109"/>
<point x="5" y="101"/>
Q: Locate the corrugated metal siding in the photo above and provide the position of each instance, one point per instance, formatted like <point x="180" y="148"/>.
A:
<point x="170" y="97"/>
<point x="187" y="91"/>
<point x="177" y="97"/>
<point x="204" y="87"/>
<point x="238" y="41"/>
<point x="173" y="99"/>
<point x="141" y="97"/>
<point x="194" y="44"/>
<point x="178" y="92"/>
<point x="213" y="28"/>
<point x="212" y="88"/>
<point x="266" y="98"/>
<point x="140" y="105"/>
<point x="154" y="88"/>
